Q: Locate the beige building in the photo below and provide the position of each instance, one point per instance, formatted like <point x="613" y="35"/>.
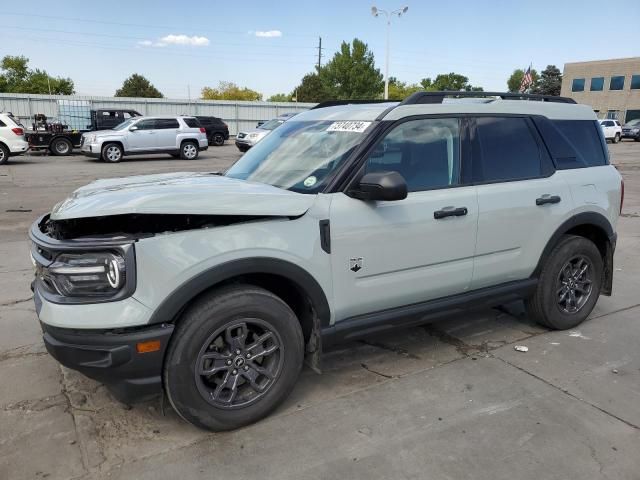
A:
<point x="611" y="87"/>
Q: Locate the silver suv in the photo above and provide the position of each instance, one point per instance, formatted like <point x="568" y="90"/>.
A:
<point x="181" y="137"/>
<point x="248" y="138"/>
<point x="345" y="220"/>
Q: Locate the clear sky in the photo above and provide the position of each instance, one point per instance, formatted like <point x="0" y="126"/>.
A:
<point x="269" y="45"/>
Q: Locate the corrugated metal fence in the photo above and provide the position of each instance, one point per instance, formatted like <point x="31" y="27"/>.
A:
<point x="238" y="115"/>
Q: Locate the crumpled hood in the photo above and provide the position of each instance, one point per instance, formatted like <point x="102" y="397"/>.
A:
<point x="180" y="193"/>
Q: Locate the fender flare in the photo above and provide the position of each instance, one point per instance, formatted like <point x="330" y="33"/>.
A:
<point x="584" y="218"/>
<point x="182" y="295"/>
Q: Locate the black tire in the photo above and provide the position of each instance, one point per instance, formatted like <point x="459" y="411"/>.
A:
<point x="4" y="154"/>
<point x="210" y="318"/>
<point x="112" y="153"/>
<point x="189" y="150"/>
<point x="61" y="147"/>
<point x="217" y="139"/>
<point x="550" y="305"/>
<point x="616" y="139"/>
<point x="637" y="139"/>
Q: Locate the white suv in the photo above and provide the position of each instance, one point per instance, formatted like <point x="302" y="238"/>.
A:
<point x="611" y="129"/>
<point x="181" y="137"/>
<point x="12" y="140"/>
<point x="344" y="221"/>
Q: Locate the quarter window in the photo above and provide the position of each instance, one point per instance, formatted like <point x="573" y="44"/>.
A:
<point x="616" y="83"/>
<point x="584" y="138"/>
<point x="425" y="152"/>
<point x="635" y="82"/>
<point x="577" y="85"/>
<point x="597" y="84"/>
<point x="193" y="122"/>
<point x="508" y="150"/>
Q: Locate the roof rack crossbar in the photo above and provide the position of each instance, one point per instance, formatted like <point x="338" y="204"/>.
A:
<point x="438" y="97"/>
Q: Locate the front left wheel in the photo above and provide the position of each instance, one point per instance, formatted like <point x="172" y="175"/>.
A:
<point x="234" y="357"/>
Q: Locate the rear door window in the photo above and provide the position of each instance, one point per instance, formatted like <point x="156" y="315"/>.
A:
<point x="166" y="123"/>
<point x="506" y="150"/>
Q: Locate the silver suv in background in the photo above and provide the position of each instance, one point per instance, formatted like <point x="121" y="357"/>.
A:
<point x="247" y="139"/>
<point x="12" y="140"/>
<point x="181" y="137"/>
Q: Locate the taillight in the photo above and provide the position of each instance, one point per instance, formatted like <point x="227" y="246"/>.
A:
<point x="621" y="194"/>
<point x="203" y="130"/>
<point x="18" y="131"/>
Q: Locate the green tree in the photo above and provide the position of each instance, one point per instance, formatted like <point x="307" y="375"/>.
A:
<point x="312" y="89"/>
<point x="138" y="86"/>
<point x="351" y="74"/>
<point x="550" y="81"/>
<point x="515" y="80"/>
<point x="230" y="91"/>
<point x="280" y="97"/>
<point x="448" y="81"/>
<point x="400" y="90"/>
<point x="17" y="77"/>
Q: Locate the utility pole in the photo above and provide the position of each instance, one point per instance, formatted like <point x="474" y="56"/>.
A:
<point x="319" y="53"/>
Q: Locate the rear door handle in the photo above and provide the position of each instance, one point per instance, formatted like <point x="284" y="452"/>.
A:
<point x="450" y="212"/>
<point x="544" y="199"/>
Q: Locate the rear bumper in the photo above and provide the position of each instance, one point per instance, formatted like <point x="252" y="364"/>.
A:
<point x="18" y="146"/>
<point x="111" y="357"/>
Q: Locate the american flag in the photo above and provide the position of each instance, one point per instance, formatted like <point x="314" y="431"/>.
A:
<point x="527" y="80"/>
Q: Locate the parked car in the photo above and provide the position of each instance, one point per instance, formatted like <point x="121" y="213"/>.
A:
<point x="247" y="139"/>
<point x="217" y="130"/>
<point x="12" y="141"/>
<point x="181" y="137"/>
<point x="611" y="129"/>
<point x="344" y="221"/>
<point x="631" y="129"/>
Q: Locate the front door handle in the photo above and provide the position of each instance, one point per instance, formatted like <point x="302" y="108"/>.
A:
<point x="544" y="199"/>
<point x="450" y="212"/>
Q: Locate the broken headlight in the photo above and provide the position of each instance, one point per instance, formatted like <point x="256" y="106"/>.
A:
<point x="90" y="274"/>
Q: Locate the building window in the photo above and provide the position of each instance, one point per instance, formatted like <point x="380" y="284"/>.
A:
<point x="617" y="83"/>
<point x="635" y="82"/>
<point x="577" y="85"/>
<point x="597" y="84"/>
<point x="613" y="114"/>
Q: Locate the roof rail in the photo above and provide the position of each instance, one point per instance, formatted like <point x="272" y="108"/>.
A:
<point x="335" y="103"/>
<point x="438" y="97"/>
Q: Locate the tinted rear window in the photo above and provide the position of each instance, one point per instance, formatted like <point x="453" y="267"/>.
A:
<point x="163" y="123"/>
<point x="2" y="124"/>
<point x="584" y="137"/>
<point x="508" y="150"/>
<point x="192" y="122"/>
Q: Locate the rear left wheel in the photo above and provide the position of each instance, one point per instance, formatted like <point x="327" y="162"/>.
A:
<point x="217" y="139"/>
<point x="616" y="139"/>
<point x="569" y="284"/>
<point x="189" y="151"/>
<point x="61" y="146"/>
<point x="234" y="357"/>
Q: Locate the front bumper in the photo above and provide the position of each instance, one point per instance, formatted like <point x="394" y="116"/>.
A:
<point x="630" y="134"/>
<point x="111" y="357"/>
<point x="91" y="149"/>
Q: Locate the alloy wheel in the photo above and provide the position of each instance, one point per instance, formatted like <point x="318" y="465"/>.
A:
<point x="574" y="285"/>
<point x="113" y="154"/>
<point x="239" y="363"/>
<point x="189" y="150"/>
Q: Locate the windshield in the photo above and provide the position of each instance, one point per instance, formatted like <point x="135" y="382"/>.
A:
<point x="633" y="123"/>
<point x="271" y="124"/>
<point x="300" y="156"/>
<point x="125" y="124"/>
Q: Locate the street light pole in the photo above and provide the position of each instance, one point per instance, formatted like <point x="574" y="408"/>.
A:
<point x="375" y="12"/>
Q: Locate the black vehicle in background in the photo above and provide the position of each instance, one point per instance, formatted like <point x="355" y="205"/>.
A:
<point x="59" y="139"/>
<point x="217" y="130"/>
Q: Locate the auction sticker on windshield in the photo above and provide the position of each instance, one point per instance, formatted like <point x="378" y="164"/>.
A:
<point x="348" y="126"/>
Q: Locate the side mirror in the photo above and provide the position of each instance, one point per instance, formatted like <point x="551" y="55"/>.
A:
<point x="133" y="129"/>
<point x="387" y="186"/>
